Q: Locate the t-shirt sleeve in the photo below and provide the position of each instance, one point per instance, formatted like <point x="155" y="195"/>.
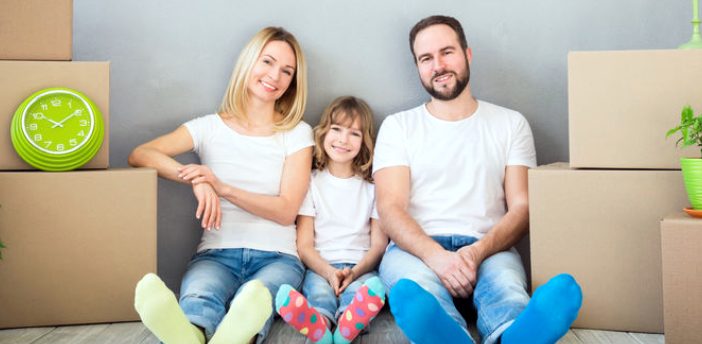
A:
<point x="307" y="207"/>
<point x="198" y="128"/>
<point x="390" y="147"/>
<point x="521" y="149"/>
<point x="298" y="138"/>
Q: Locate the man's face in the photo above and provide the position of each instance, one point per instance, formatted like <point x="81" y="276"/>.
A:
<point x="444" y="67"/>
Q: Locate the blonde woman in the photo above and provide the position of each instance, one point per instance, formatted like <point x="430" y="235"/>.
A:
<point x="256" y="155"/>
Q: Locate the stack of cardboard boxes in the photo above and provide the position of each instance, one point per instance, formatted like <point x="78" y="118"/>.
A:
<point x="76" y="242"/>
<point x="598" y="218"/>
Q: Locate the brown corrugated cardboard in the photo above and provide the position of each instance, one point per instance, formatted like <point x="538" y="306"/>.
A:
<point x="36" y="29"/>
<point x="621" y="103"/>
<point x="602" y="226"/>
<point x="20" y="79"/>
<point x="77" y="243"/>
<point x="681" y="243"/>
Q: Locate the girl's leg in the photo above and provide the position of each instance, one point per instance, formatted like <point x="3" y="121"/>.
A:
<point x="161" y="314"/>
<point x="367" y="297"/>
<point x="311" y="315"/>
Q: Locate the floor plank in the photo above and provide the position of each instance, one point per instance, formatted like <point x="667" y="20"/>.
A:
<point x="648" y="338"/>
<point x="84" y="334"/>
<point x="604" y="337"/>
<point x="132" y="332"/>
<point x="570" y="338"/>
<point x="23" y="335"/>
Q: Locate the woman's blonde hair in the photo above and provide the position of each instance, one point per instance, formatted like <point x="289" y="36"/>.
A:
<point x="344" y="111"/>
<point x="291" y="104"/>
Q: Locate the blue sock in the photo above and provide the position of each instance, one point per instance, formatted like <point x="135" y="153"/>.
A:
<point x="420" y="316"/>
<point x="548" y="316"/>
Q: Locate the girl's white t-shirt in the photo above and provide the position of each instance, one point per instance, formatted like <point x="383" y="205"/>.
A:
<point x="457" y="168"/>
<point x="342" y="209"/>
<point x="251" y="163"/>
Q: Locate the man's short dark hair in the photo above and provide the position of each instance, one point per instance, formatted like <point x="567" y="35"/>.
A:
<point x="436" y="20"/>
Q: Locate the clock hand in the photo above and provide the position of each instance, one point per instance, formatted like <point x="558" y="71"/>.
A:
<point x="65" y="119"/>
<point x="56" y="124"/>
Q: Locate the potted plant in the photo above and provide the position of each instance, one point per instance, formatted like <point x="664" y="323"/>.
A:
<point x="690" y="128"/>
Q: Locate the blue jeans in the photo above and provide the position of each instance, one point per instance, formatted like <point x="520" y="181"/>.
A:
<point x="321" y="295"/>
<point x="499" y="295"/>
<point x="215" y="276"/>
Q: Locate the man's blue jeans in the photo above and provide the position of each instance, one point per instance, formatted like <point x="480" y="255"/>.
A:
<point x="321" y="295"/>
<point x="215" y="276"/>
<point x="499" y="295"/>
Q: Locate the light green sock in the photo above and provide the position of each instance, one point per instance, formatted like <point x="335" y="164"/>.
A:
<point x="160" y="313"/>
<point x="247" y="314"/>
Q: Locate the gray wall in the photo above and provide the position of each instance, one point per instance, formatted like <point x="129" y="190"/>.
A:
<point x="171" y="60"/>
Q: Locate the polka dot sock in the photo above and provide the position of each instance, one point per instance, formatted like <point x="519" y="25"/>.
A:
<point x="366" y="304"/>
<point x="296" y="311"/>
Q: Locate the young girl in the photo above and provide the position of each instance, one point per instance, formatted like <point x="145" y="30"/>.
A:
<point x="255" y="155"/>
<point x="338" y="235"/>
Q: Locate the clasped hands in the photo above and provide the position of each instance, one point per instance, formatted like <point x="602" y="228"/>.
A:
<point x="339" y="279"/>
<point x="456" y="270"/>
<point x="205" y="185"/>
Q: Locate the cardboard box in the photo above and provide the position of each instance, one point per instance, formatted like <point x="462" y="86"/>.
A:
<point x="621" y="104"/>
<point x="36" y="29"/>
<point x="681" y="240"/>
<point x="20" y="79"/>
<point x="602" y="227"/>
<point x="77" y="243"/>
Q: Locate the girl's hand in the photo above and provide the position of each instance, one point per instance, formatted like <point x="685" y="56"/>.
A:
<point x="348" y="276"/>
<point x="198" y="174"/>
<point x="208" y="206"/>
<point x="336" y="279"/>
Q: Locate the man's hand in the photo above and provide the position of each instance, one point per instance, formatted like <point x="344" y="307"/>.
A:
<point x="208" y="207"/>
<point x="473" y="259"/>
<point x="454" y="272"/>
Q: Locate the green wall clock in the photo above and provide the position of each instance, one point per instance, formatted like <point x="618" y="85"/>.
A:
<point x="57" y="129"/>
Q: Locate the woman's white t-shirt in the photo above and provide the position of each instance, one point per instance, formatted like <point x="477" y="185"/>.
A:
<point x="251" y="163"/>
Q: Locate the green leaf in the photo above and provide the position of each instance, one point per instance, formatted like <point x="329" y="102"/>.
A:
<point x="1" y="246"/>
<point x="686" y="114"/>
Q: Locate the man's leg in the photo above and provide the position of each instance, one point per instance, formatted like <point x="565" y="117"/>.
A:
<point x="423" y="321"/>
<point x="500" y="294"/>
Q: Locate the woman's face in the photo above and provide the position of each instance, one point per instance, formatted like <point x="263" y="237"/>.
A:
<point x="272" y="72"/>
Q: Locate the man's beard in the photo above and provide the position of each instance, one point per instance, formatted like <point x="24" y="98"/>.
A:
<point x="452" y="93"/>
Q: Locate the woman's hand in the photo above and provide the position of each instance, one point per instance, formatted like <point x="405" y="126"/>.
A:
<point x="208" y="207"/>
<point x="198" y="174"/>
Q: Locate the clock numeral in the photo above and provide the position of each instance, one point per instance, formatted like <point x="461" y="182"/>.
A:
<point x="37" y="137"/>
<point x="47" y="144"/>
<point x="38" y="115"/>
<point x="60" y="147"/>
<point x="73" y="142"/>
<point x="33" y="126"/>
<point x="81" y="133"/>
<point x="79" y="112"/>
<point x="70" y="104"/>
<point x="55" y="102"/>
<point x="44" y="106"/>
<point x="83" y="122"/>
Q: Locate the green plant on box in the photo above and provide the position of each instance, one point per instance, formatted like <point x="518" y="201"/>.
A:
<point x="690" y="129"/>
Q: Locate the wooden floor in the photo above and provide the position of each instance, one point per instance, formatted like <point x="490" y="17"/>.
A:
<point x="136" y="333"/>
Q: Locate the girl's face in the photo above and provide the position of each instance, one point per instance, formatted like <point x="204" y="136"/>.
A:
<point x="272" y="72"/>
<point x="342" y="143"/>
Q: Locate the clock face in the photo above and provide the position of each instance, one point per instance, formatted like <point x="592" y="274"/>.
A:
<point x="58" y="122"/>
<point x="57" y="129"/>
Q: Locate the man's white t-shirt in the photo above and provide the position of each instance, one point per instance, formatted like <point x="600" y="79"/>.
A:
<point x="457" y="168"/>
<point x="251" y="163"/>
<point x="342" y="209"/>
